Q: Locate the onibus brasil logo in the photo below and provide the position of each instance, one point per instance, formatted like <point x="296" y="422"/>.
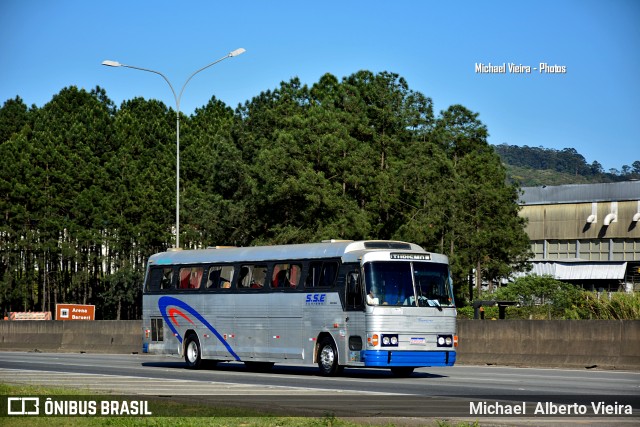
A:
<point x="33" y="406"/>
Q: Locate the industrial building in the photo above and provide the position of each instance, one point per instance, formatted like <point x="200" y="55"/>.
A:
<point x="586" y="234"/>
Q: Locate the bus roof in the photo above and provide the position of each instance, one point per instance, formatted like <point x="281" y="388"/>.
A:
<point x="347" y="250"/>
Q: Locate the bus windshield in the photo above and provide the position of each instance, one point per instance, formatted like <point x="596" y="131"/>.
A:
<point x="390" y="283"/>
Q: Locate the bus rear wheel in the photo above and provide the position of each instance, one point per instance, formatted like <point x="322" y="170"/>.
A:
<point x="328" y="357"/>
<point x="192" y="352"/>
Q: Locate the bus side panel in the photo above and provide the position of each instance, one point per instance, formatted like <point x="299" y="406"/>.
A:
<point x="158" y="342"/>
<point x="286" y="326"/>
<point x="179" y="313"/>
<point x="356" y="339"/>
<point x="219" y="311"/>
<point x="323" y="314"/>
<point x="251" y="327"/>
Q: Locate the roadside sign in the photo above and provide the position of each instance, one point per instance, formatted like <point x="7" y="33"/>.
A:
<point x="31" y="315"/>
<point x="75" y="312"/>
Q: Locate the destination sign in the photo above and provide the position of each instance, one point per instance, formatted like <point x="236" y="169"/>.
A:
<point x="409" y="256"/>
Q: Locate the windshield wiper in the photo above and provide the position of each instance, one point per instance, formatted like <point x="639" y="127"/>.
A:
<point x="435" y="303"/>
<point x="430" y="302"/>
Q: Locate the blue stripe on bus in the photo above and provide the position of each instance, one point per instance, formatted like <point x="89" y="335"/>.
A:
<point x="387" y="358"/>
<point x="165" y="302"/>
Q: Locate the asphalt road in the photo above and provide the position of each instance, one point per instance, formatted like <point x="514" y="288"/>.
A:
<point x="429" y="392"/>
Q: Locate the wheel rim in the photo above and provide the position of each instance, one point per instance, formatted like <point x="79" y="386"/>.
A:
<point x="327" y="357"/>
<point x="192" y="352"/>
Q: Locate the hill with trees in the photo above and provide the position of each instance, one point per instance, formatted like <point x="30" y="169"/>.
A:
<point x="534" y="166"/>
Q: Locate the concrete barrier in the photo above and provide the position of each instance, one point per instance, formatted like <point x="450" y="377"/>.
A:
<point x="608" y="344"/>
<point x="100" y="336"/>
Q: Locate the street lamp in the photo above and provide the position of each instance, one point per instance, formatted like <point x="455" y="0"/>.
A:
<point x="177" y="98"/>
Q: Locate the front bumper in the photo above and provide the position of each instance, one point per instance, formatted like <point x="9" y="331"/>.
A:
<point x="390" y="358"/>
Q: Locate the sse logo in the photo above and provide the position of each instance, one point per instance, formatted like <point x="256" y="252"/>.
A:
<point x="316" y="299"/>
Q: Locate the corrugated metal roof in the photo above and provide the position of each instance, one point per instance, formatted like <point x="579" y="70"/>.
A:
<point x="580" y="270"/>
<point x="581" y="193"/>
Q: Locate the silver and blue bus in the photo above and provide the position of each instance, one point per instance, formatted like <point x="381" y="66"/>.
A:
<point x="368" y="304"/>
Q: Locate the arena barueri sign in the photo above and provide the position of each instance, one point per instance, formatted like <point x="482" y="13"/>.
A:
<point x="75" y="312"/>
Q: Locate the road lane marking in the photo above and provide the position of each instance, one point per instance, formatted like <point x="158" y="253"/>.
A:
<point x="154" y="386"/>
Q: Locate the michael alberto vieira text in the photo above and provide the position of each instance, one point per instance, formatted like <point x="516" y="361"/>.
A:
<point x="549" y="408"/>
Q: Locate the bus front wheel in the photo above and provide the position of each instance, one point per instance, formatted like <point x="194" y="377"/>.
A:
<point x="192" y="352"/>
<point x="328" y="357"/>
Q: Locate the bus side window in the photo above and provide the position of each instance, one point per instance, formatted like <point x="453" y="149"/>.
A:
<point x="329" y="273"/>
<point x="214" y="277"/>
<point x="220" y="277"/>
<point x="321" y="274"/>
<point x="252" y="276"/>
<point x="167" y="278"/>
<point x="191" y="277"/>
<point x="155" y="279"/>
<point x="313" y="274"/>
<point x="183" y="282"/>
<point x="354" y="290"/>
<point x="285" y="276"/>
<point x="196" y="277"/>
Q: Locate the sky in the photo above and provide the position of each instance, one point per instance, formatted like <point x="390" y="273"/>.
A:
<point x="592" y="104"/>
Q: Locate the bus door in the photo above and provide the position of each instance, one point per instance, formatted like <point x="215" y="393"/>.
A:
<point x="355" y="332"/>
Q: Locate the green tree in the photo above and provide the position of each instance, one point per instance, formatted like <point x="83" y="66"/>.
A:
<point x="294" y="142"/>
<point x="484" y="232"/>
<point x="425" y="173"/>
<point x="70" y="138"/>
<point x="533" y="290"/>
<point x="14" y="115"/>
<point x="18" y="227"/>
<point x="122" y="293"/>
<point x="383" y="106"/>
<point x="212" y="172"/>
<point x="141" y="182"/>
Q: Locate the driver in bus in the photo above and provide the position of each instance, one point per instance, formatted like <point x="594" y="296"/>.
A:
<point x="372" y="298"/>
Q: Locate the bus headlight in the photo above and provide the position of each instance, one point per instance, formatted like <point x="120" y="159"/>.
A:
<point x="445" y="341"/>
<point x="390" y="340"/>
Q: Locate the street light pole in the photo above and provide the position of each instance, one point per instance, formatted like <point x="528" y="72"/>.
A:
<point x="177" y="98"/>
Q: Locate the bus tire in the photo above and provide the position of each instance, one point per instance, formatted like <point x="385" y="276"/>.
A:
<point x="192" y="354"/>
<point x="402" y="371"/>
<point x="328" y="357"/>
